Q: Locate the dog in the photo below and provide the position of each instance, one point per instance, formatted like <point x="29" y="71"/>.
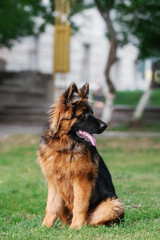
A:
<point x="80" y="187"/>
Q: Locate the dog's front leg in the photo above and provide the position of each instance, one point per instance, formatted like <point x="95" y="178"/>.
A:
<point x="54" y="205"/>
<point x="82" y="191"/>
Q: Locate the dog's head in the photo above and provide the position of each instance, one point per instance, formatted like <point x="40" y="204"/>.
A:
<point x="72" y="115"/>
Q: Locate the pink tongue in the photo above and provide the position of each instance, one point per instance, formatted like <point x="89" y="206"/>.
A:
<point x="91" y="138"/>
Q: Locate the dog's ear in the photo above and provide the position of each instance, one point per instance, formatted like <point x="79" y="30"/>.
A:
<point x="71" y="94"/>
<point x="85" y="91"/>
<point x="68" y="98"/>
<point x="54" y="119"/>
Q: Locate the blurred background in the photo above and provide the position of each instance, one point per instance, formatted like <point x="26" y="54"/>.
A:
<point x="114" y="45"/>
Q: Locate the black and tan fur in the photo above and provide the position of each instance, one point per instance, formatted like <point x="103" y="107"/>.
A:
<point x="80" y="187"/>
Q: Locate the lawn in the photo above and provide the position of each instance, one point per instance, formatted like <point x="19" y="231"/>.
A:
<point x="135" y="168"/>
<point x="132" y="98"/>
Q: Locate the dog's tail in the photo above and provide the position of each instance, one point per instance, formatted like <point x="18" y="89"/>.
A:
<point x="110" y="210"/>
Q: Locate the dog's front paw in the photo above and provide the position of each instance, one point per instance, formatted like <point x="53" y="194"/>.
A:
<point x="75" y="226"/>
<point x="48" y="221"/>
<point x="77" y="222"/>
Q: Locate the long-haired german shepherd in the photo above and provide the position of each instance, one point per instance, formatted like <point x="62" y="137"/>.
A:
<point x="80" y="187"/>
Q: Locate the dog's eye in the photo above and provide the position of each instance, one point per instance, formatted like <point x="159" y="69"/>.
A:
<point x="83" y="115"/>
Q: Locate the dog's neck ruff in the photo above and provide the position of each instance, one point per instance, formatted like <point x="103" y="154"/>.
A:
<point x="87" y="136"/>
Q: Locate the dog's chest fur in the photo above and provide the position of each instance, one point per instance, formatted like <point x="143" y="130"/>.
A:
<point x="65" y="168"/>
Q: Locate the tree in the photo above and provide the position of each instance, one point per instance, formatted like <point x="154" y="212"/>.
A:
<point x="134" y="21"/>
<point x="142" y="19"/>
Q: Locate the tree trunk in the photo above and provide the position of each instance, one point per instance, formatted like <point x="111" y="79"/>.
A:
<point x="109" y="106"/>
<point x="137" y="115"/>
<point x="111" y="60"/>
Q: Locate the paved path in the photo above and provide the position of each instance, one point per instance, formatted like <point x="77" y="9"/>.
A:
<point x="8" y="130"/>
<point x="129" y="134"/>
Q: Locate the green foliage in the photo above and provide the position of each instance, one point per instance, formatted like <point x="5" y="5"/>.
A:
<point x="77" y="6"/>
<point x="140" y="25"/>
<point x="134" y="164"/>
<point x="17" y="19"/>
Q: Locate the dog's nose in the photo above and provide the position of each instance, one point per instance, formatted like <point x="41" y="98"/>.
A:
<point x="103" y="126"/>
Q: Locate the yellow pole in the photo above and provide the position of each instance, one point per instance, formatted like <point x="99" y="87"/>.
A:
<point x="54" y="73"/>
<point x="61" y="37"/>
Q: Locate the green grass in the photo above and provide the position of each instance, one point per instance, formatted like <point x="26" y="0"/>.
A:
<point x="135" y="168"/>
<point x="155" y="98"/>
<point x="131" y="98"/>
